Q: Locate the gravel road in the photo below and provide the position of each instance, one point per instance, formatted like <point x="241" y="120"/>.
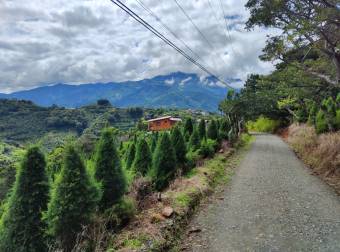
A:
<point x="273" y="203"/>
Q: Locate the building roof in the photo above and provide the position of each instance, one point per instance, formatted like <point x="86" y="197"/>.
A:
<point x="159" y="118"/>
<point x="165" y="117"/>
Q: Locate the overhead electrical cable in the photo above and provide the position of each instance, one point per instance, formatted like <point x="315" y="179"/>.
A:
<point x="226" y="24"/>
<point x="218" y="21"/>
<point x="167" y="27"/>
<point x="199" y="31"/>
<point x="192" y="22"/>
<point x="167" y="41"/>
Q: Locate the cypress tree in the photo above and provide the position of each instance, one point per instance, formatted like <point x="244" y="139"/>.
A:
<point x="202" y="129"/>
<point x="224" y="129"/>
<point x="73" y="201"/>
<point x="164" y="162"/>
<point x="195" y="141"/>
<point x="143" y="159"/>
<point x="154" y="142"/>
<point x="108" y="170"/>
<point x="178" y="143"/>
<point x="22" y="228"/>
<point x="212" y="130"/>
<point x="130" y="156"/>
<point x="188" y="127"/>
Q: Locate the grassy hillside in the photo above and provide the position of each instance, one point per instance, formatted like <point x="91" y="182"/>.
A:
<point x="24" y="121"/>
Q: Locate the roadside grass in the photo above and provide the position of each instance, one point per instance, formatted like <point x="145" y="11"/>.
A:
<point x="320" y="152"/>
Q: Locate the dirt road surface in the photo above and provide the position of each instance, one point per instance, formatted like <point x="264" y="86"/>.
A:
<point x="273" y="203"/>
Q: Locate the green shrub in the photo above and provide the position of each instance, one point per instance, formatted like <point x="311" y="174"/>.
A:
<point x="195" y="141"/>
<point x="188" y="128"/>
<point x="178" y="143"/>
<point x="21" y="227"/>
<point x="73" y="201"/>
<point x="337" y="120"/>
<point x="212" y="130"/>
<point x="164" y="163"/>
<point x="108" y="170"/>
<point x="202" y="129"/>
<point x="54" y="162"/>
<point x="207" y="148"/>
<point x="130" y="155"/>
<point x="312" y="114"/>
<point x="224" y="129"/>
<point x="263" y="124"/>
<point x="321" y="122"/>
<point x="192" y="157"/>
<point x="143" y="159"/>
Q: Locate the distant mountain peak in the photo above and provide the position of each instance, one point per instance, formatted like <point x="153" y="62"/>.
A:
<point x="177" y="89"/>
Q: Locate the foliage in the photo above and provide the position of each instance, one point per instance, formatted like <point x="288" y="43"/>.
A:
<point x="188" y="127"/>
<point x="178" y="143"/>
<point x="143" y="160"/>
<point x="108" y="170"/>
<point x="202" y="129"/>
<point x="195" y="141"/>
<point x="130" y="155"/>
<point x="73" y="201"/>
<point x="21" y="226"/>
<point x="212" y="130"/>
<point x="311" y="34"/>
<point x="320" y="122"/>
<point x="24" y="121"/>
<point x="263" y="124"/>
<point x="164" y="162"/>
<point x="54" y="162"/>
<point x="207" y="148"/>
<point x="224" y="128"/>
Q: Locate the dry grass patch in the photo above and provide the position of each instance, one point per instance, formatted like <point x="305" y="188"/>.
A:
<point x="320" y="152"/>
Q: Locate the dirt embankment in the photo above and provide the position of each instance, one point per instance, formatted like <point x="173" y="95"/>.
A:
<point x="320" y="152"/>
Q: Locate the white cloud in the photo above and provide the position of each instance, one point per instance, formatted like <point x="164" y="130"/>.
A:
<point x="43" y="42"/>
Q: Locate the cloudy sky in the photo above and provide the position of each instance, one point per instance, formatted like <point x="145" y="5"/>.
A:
<point x="44" y="42"/>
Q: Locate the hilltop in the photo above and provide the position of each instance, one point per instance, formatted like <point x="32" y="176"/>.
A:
<point x="176" y="90"/>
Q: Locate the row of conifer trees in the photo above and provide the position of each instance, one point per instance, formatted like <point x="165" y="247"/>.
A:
<point x="41" y="212"/>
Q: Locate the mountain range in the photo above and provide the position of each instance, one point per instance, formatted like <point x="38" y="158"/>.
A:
<point x="175" y="90"/>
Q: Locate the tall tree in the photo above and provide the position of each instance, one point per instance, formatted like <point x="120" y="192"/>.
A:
<point x="202" y="129"/>
<point x="73" y="201"/>
<point x="143" y="159"/>
<point x="312" y="25"/>
<point x="108" y="170"/>
<point x="178" y="143"/>
<point x="212" y="130"/>
<point x="22" y="228"/>
<point x="164" y="162"/>
<point x="188" y="127"/>
<point x="130" y="155"/>
<point x="195" y="141"/>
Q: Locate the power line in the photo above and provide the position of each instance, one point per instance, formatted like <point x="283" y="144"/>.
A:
<point x="192" y="22"/>
<point x="162" y="37"/>
<point x="217" y="20"/>
<point x="200" y="32"/>
<point x="167" y="27"/>
<point x="226" y="24"/>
